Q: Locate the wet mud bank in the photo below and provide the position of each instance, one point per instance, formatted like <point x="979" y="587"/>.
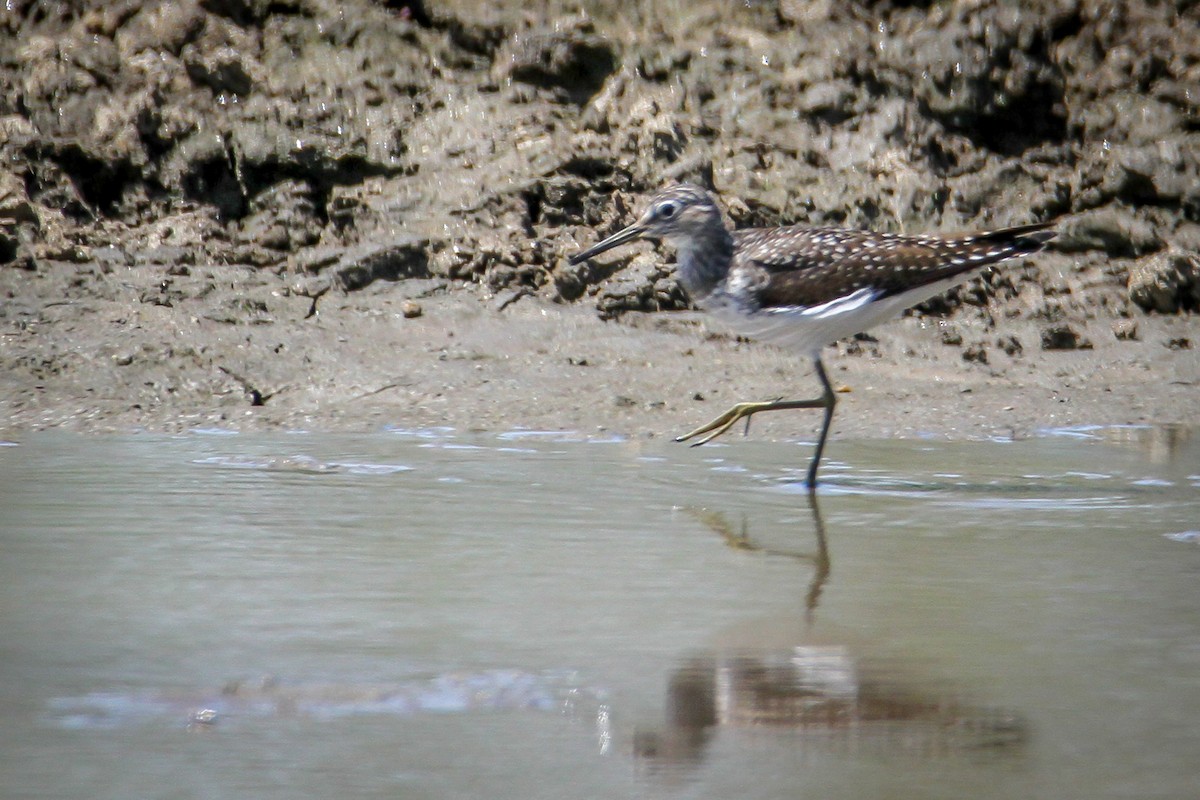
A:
<point x="338" y="216"/>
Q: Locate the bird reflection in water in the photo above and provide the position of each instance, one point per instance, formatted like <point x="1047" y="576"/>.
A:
<point x="829" y="692"/>
<point x="740" y="540"/>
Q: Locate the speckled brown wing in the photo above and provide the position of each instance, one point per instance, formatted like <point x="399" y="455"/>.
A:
<point x="806" y="267"/>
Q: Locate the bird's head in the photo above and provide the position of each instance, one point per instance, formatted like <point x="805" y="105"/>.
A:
<point x="678" y="214"/>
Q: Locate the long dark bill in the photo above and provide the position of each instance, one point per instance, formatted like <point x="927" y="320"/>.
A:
<point x="618" y="238"/>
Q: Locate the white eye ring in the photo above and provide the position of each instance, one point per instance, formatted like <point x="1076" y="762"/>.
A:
<point x="667" y="210"/>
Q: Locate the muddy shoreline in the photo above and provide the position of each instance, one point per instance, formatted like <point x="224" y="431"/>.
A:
<point x="278" y="216"/>
<point x="360" y="364"/>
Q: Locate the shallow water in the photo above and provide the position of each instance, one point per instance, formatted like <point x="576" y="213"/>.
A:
<point x="542" y="615"/>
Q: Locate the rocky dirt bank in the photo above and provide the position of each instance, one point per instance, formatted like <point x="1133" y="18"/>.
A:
<point x="342" y="215"/>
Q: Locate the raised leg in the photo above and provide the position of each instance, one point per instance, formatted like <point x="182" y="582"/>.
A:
<point x="726" y="421"/>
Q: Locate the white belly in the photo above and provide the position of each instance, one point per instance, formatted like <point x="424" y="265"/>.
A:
<point x="809" y="328"/>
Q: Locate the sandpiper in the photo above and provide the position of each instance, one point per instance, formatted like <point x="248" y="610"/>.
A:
<point x="804" y="287"/>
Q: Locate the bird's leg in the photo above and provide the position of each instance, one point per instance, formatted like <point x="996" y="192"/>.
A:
<point x="830" y="400"/>
<point x="743" y="411"/>
<point x="827" y="401"/>
<point x="746" y="429"/>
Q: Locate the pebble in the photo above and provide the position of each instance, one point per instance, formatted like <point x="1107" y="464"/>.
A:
<point x="1126" y="330"/>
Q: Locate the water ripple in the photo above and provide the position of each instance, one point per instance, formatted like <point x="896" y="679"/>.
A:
<point x="301" y="464"/>
<point x="447" y="693"/>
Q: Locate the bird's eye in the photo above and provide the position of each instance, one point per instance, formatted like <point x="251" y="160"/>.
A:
<point x="667" y="210"/>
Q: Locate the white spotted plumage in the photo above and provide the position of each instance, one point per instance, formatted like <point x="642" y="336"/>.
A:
<point x="806" y="287"/>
